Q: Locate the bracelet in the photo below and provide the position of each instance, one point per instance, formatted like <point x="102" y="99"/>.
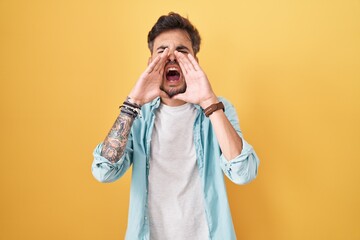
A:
<point x="128" y="113"/>
<point x="131" y="109"/>
<point x="135" y="105"/>
<point x="214" y="107"/>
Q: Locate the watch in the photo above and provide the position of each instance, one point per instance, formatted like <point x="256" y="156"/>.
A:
<point x="214" y="107"/>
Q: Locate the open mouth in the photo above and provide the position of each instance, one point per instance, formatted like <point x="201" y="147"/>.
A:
<point x="172" y="74"/>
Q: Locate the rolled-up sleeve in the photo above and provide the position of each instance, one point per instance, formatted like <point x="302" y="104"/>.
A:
<point x="243" y="168"/>
<point x="105" y="171"/>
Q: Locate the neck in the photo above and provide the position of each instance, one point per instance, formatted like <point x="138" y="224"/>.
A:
<point x="172" y="102"/>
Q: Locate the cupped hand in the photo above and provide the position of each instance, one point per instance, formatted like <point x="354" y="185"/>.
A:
<point x="198" y="88"/>
<point x="147" y="88"/>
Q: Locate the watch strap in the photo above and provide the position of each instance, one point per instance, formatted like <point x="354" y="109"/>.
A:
<point x="214" y="107"/>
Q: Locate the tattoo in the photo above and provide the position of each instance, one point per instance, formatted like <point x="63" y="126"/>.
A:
<point x="115" y="142"/>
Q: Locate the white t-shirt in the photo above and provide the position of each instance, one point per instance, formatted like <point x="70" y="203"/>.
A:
<point x="176" y="200"/>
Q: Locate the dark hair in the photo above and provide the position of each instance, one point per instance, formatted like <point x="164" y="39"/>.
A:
<point x="174" y="21"/>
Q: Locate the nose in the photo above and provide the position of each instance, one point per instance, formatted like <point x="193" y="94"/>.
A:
<point x="171" y="57"/>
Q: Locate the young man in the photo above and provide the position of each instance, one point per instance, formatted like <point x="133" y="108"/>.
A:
<point x="180" y="139"/>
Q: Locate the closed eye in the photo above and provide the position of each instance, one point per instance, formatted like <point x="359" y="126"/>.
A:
<point x="161" y="49"/>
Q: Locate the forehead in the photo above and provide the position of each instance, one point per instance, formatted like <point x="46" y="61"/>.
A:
<point x="173" y="37"/>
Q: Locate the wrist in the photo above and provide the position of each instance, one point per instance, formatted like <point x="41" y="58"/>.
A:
<point x="134" y="100"/>
<point x="213" y="108"/>
<point x="208" y="101"/>
<point x="131" y="109"/>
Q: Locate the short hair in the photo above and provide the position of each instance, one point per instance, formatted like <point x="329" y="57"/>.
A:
<point x="174" y="21"/>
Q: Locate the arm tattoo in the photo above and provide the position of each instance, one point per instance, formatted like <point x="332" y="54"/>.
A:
<point x="115" y="142"/>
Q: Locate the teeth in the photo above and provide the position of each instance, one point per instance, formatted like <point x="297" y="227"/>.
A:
<point x="171" y="69"/>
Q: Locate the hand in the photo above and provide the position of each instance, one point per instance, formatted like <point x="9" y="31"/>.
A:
<point x="147" y="88"/>
<point x="198" y="88"/>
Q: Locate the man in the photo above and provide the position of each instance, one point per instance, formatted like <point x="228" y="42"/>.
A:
<point x="180" y="139"/>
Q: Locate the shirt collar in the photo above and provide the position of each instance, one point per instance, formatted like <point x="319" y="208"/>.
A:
<point x="156" y="103"/>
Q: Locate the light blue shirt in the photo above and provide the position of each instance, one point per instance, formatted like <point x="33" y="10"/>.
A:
<point x="211" y="164"/>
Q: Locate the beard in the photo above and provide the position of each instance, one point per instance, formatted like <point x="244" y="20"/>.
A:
<point x="172" y="91"/>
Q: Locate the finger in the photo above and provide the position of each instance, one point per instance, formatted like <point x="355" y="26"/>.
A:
<point x="160" y="67"/>
<point x="180" y="96"/>
<point x="163" y="94"/>
<point x="163" y="57"/>
<point x="151" y="66"/>
<point x="181" y="63"/>
<point x="183" y="69"/>
<point x="185" y="61"/>
<point x="194" y="62"/>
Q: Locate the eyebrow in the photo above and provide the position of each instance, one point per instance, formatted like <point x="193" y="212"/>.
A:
<point x="161" y="47"/>
<point x="180" y="47"/>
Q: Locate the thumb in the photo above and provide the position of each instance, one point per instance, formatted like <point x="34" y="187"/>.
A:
<point x="163" y="94"/>
<point x="180" y="96"/>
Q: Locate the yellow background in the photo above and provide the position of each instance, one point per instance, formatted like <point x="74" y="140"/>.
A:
<point x="291" y="68"/>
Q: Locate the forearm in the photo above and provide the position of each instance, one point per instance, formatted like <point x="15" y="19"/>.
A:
<point x="115" y="142"/>
<point x="229" y="140"/>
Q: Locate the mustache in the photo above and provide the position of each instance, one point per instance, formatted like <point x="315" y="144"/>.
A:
<point x="172" y="62"/>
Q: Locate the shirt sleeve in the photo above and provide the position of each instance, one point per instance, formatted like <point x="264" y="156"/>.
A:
<point x="104" y="170"/>
<point x="243" y="168"/>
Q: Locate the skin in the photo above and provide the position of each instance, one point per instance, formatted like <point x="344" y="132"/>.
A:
<point x="173" y="48"/>
<point x="178" y="49"/>
<point x="115" y="142"/>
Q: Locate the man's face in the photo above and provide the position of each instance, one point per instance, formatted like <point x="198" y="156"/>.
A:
<point x="173" y="81"/>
